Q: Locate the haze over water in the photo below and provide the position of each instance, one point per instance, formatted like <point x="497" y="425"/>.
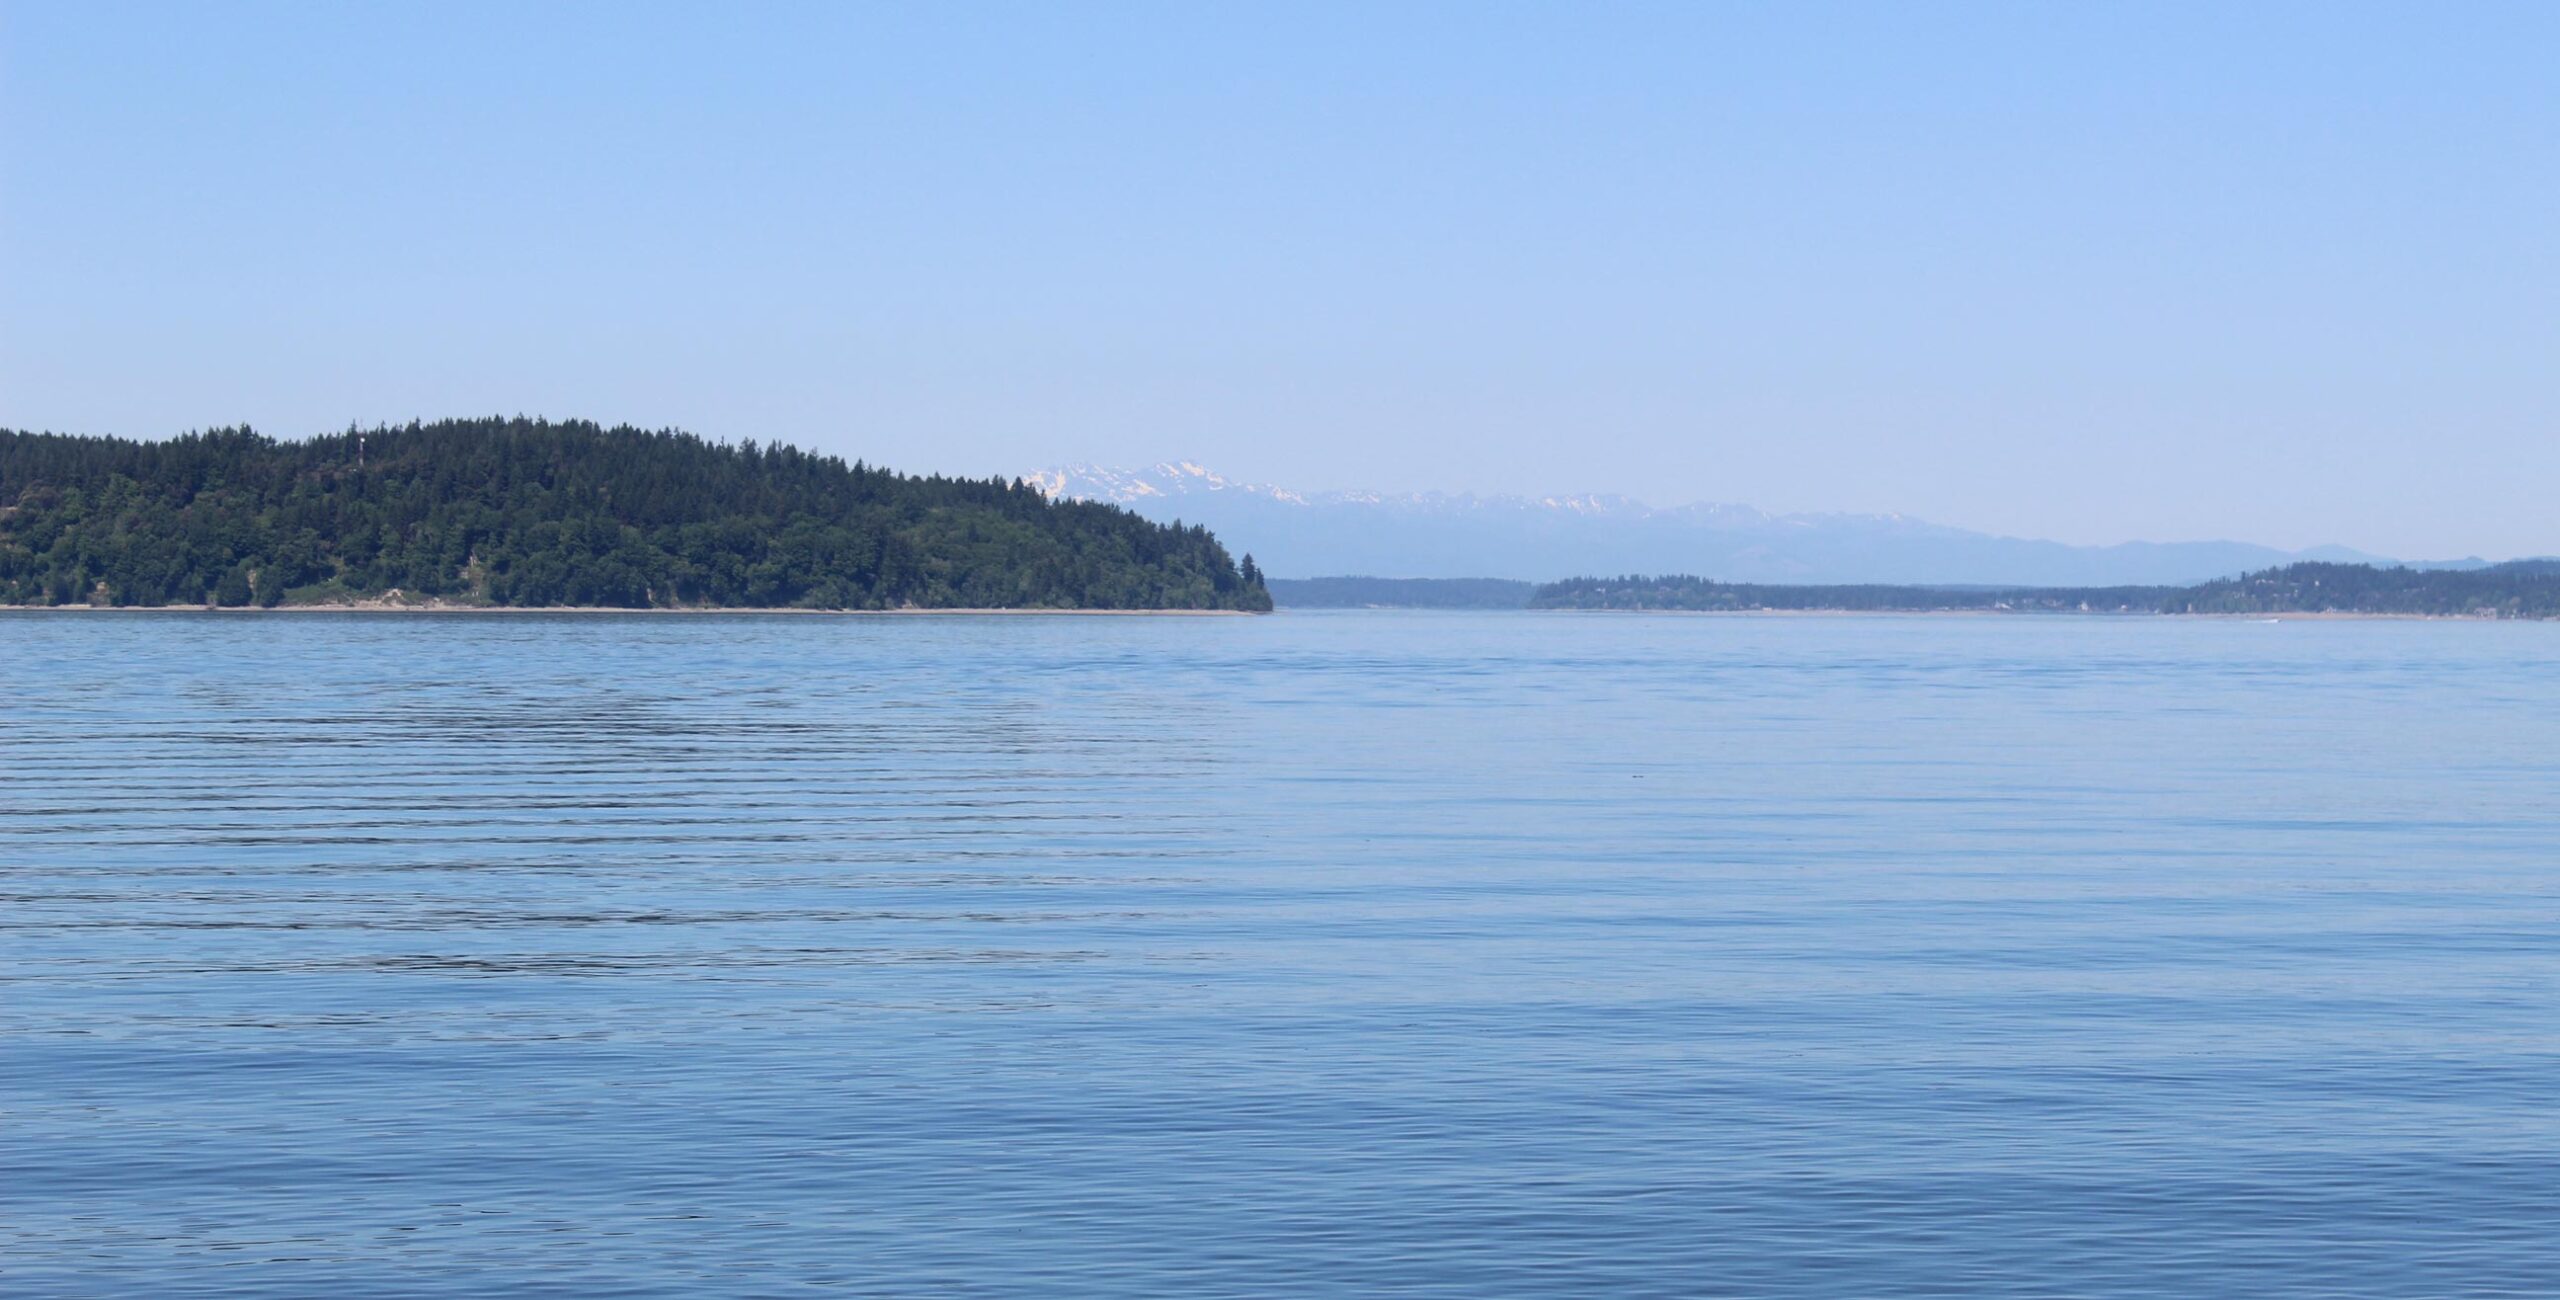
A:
<point x="1432" y="955"/>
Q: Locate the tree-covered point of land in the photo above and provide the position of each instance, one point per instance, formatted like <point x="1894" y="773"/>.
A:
<point x="535" y="513"/>
<point x="2519" y="589"/>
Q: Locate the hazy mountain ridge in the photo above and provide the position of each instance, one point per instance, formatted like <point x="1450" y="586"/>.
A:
<point x="1357" y="592"/>
<point x="1445" y="535"/>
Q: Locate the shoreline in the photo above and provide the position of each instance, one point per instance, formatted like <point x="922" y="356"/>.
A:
<point x="2287" y="616"/>
<point x="525" y="610"/>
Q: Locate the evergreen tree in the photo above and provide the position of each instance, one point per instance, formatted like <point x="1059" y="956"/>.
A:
<point x="233" y="588"/>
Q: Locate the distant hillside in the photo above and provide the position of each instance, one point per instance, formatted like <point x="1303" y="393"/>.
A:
<point x="2523" y="589"/>
<point x="1431" y="535"/>
<point x="531" y="513"/>
<point x="1401" y="593"/>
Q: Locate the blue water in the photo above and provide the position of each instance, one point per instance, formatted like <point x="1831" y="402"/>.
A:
<point x="1319" y="954"/>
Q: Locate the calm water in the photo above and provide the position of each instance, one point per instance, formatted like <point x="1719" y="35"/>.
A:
<point x="1467" y="956"/>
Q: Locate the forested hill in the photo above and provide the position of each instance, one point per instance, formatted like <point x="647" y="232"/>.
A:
<point x="2519" y="589"/>
<point x="533" y="513"/>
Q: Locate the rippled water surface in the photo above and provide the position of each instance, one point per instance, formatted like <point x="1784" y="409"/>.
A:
<point x="1464" y="955"/>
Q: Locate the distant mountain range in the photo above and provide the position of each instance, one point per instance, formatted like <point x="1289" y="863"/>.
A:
<point x="1402" y="593"/>
<point x="1435" y="535"/>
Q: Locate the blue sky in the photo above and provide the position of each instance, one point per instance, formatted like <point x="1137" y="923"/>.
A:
<point x="2284" y="273"/>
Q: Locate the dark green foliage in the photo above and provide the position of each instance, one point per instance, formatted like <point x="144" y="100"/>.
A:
<point x="233" y="589"/>
<point x="2523" y="589"/>
<point x="2526" y="589"/>
<point x="532" y="513"/>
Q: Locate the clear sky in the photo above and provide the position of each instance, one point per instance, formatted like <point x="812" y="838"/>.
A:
<point x="2282" y="273"/>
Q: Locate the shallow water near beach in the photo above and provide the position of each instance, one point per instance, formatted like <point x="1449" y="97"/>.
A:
<point x="1325" y="953"/>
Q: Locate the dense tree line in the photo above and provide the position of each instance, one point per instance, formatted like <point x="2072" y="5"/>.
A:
<point x="534" y="513"/>
<point x="2521" y="589"/>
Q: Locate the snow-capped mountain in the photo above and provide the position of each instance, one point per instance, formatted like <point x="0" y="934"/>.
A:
<point x="1185" y="482"/>
<point x="1128" y="487"/>
<point x="1295" y="534"/>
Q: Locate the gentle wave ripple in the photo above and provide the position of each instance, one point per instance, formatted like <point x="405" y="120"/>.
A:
<point x="1321" y="954"/>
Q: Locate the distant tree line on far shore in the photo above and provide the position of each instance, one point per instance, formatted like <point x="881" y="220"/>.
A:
<point x="534" y="513"/>
<point x="2517" y="589"/>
